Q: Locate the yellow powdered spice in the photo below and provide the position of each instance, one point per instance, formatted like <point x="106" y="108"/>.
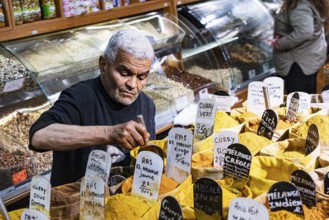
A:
<point x="166" y="185"/>
<point x="253" y="142"/>
<point x="321" y="121"/>
<point x="248" y="115"/>
<point x="320" y="211"/>
<point x="122" y="206"/>
<point x="297" y="152"/>
<point x="203" y="159"/>
<point x="284" y="215"/>
<point x="223" y="120"/>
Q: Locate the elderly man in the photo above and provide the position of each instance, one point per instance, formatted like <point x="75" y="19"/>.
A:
<point x="100" y="113"/>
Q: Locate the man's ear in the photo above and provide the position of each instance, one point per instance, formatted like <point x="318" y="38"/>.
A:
<point x="102" y="63"/>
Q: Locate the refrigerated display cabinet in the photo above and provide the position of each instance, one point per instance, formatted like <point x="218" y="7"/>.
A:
<point x="235" y="35"/>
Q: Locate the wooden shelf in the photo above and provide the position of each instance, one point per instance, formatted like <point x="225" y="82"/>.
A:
<point x="47" y="26"/>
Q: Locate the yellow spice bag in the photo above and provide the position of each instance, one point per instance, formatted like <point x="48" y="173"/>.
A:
<point x="293" y="150"/>
<point x="265" y="171"/>
<point x="186" y="199"/>
<point x="322" y="122"/>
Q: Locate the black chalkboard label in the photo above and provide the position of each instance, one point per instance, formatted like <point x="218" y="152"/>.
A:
<point x="267" y="124"/>
<point x="312" y="139"/>
<point x="208" y="196"/>
<point x="170" y="209"/>
<point x="285" y="196"/>
<point x="326" y="183"/>
<point x="293" y="107"/>
<point x="222" y="93"/>
<point x="237" y="165"/>
<point x="306" y="186"/>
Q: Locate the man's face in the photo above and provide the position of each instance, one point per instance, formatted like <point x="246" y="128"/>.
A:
<point x="125" y="78"/>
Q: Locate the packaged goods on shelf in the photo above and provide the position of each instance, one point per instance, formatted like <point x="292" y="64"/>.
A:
<point x="2" y="17"/>
<point x="17" y="9"/>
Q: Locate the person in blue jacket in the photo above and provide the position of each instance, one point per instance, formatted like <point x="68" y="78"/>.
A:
<point x="299" y="45"/>
<point x="100" y="113"/>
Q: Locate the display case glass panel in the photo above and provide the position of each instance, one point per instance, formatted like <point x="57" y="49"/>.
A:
<point x="239" y="33"/>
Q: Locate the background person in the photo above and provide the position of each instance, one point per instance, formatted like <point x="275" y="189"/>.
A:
<point x="100" y="113"/>
<point x="299" y="46"/>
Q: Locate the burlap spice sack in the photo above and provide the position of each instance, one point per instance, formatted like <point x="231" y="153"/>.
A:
<point x="65" y="202"/>
<point x="265" y="171"/>
<point x="186" y="199"/>
<point x="318" y="177"/>
<point x="320" y="211"/>
<point x="293" y="150"/>
<point x="322" y="121"/>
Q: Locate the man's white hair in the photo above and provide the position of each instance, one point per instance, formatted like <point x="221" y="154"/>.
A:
<point x="130" y="41"/>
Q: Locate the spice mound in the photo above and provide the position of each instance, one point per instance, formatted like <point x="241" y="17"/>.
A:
<point x="320" y="211"/>
<point x="65" y="195"/>
<point x="122" y="206"/>
<point x="321" y="121"/>
<point x="167" y="185"/>
<point x="253" y="142"/>
<point x="223" y="120"/>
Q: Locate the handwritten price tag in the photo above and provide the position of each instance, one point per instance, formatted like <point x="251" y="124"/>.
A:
<point x="13" y="85"/>
<point x="20" y="176"/>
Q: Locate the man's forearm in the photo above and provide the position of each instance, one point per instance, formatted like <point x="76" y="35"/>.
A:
<point x="61" y="137"/>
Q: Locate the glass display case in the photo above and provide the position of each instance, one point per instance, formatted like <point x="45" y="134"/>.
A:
<point x="35" y="70"/>
<point x="235" y="35"/>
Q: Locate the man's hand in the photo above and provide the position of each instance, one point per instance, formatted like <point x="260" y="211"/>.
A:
<point x="128" y="135"/>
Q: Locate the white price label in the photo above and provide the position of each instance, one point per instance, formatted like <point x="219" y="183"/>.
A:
<point x="92" y="198"/>
<point x="40" y="194"/>
<point x="179" y="155"/>
<point x="256" y="101"/>
<point x="276" y="90"/>
<point x="205" y="118"/>
<point x="221" y="141"/>
<point x="147" y="176"/>
<point x="13" y="85"/>
<point x="304" y="102"/>
<point x="245" y="208"/>
<point x="99" y="164"/>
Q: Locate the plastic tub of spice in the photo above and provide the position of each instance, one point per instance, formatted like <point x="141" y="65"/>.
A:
<point x="293" y="150"/>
